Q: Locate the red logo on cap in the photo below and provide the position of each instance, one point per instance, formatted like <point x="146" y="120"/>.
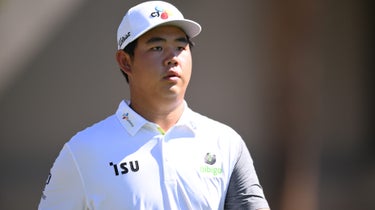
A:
<point x="160" y="12"/>
<point x="164" y="15"/>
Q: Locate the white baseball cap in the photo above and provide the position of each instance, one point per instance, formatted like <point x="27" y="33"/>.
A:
<point x="147" y="15"/>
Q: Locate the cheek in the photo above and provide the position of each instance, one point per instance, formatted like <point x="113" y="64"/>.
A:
<point x="146" y="67"/>
<point x="187" y="66"/>
<point x="145" y="76"/>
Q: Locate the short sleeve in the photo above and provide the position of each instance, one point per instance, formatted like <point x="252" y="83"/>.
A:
<point x="244" y="191"/>
<point x="64" y="189"/>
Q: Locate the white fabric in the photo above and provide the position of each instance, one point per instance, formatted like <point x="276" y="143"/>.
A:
<point x="125" y="162"/>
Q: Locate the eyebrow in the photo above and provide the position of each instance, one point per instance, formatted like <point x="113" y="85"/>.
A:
<point x="159" y="39"/>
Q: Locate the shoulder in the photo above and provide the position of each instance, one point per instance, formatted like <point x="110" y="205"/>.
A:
<point x="222" y="134"/>
<point x="209" y="124"/>
<point x="97" y="132"/>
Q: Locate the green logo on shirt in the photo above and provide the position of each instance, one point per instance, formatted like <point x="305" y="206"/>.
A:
<point x="211" y="170"/>
<point x="210" y="158"/>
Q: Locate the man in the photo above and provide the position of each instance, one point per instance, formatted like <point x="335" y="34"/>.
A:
<point x="154" y="152"/>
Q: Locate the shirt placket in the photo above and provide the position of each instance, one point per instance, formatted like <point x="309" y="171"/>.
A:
<point x="169" y="170"/>
<point x="168" y="174"/>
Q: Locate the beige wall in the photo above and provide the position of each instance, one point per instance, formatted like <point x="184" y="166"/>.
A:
<point x="291" y="78"/>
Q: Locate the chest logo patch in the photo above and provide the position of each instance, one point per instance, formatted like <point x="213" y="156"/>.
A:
<point x="208" y="168"/>
<point x="125" y="167"/>
<point x="210" y="159"/>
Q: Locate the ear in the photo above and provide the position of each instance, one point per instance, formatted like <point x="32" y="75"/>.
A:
<point x="124" y="61"/>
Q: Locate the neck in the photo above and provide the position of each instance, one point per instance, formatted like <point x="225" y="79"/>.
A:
<point x="165" y="115"/>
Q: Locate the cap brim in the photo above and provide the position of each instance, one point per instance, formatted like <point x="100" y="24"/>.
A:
<point x="191" y="28"/>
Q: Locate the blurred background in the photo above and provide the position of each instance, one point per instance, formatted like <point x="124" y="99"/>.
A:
<point x="292" y="77"/>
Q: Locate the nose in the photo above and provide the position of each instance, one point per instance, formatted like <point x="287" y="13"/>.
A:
<point x="172" y="59"/>
<point x="172" y="62"/>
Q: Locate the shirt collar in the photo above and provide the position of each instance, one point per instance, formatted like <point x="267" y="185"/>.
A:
<point x="133" y="122"/>
<point x="129" y="119"/>
<point x="187" y="118"/>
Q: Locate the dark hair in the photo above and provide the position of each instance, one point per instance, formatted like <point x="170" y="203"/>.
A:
<point x="130" y="48"/>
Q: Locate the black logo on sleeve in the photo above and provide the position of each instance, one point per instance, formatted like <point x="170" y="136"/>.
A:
<point x="48" y="178"/>
<point x="125" y="167"/>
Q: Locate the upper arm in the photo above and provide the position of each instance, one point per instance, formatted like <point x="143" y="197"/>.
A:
<point x="244" y="191"/>
<point x="64" y="189"/>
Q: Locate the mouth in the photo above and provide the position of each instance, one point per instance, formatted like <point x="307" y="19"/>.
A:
<point x="172" y="75"/>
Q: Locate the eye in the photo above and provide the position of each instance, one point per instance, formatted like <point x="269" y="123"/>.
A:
<point x="157" y="48"/>
<point x="181" y="48"/>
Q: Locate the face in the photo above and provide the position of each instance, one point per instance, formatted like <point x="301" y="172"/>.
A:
<point x="162" y="64"/>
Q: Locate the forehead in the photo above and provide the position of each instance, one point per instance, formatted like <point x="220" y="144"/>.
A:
<point x="163" y="31"/>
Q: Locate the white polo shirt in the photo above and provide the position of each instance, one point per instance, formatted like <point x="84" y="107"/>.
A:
<point x="126" y="162"/>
